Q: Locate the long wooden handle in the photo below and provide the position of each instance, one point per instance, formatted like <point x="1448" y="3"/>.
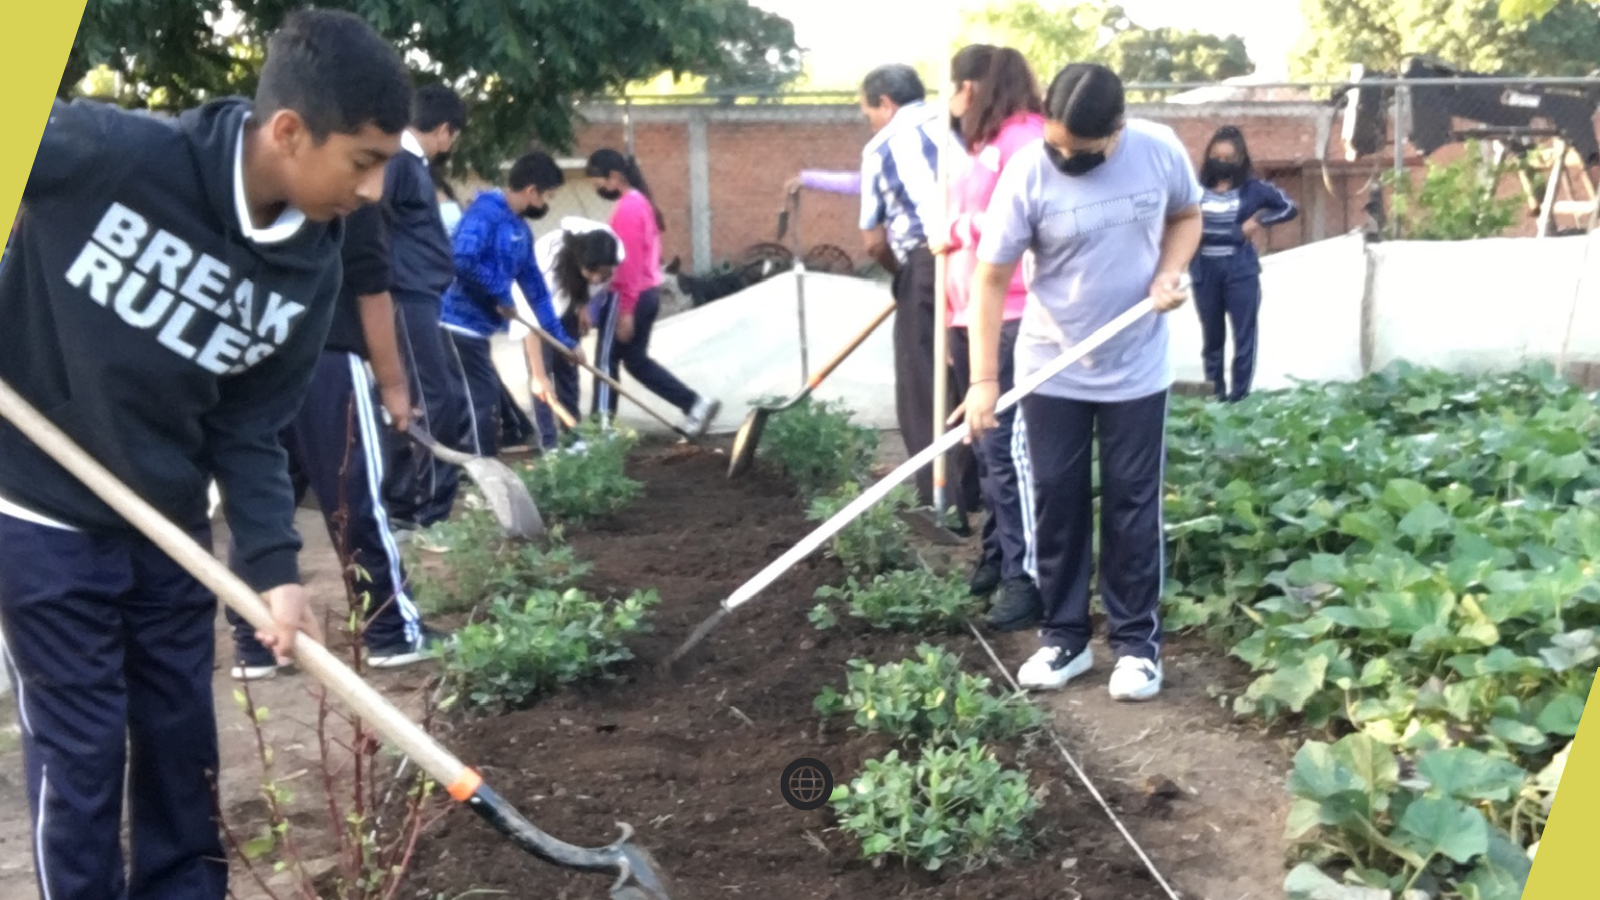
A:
<point x="942" y="443"/>
<point x="311" y="656"/>
<point x="594" y="370"/>
<point x="850" y="348"/>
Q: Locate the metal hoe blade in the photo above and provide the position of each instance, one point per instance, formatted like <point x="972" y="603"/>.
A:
<point x="744" y="443"/>
<point x="505" y="493"/>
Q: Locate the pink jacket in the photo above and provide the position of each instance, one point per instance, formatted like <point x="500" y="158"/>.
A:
<point x="972" y="183"/>
<point x="634" y="222"/>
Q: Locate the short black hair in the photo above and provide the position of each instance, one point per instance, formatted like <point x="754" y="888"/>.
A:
<point x="896" y="81"/>
<point x="437" y="104"/>
<point x="536" y="169"/>
<point x="1088" y="99"/>
<point x="337" y="73"/>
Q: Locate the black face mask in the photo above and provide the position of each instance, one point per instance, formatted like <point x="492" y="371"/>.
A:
<point x="535" y="213"/>
<point x="1215" y="171"/>
<point x="1077" y="164"/>
<point x="610" y="195"/>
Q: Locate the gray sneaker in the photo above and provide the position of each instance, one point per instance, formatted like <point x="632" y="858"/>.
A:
<point x="701" y="415"/>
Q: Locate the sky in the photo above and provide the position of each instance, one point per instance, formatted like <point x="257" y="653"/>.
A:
<point x="847" y="37"/>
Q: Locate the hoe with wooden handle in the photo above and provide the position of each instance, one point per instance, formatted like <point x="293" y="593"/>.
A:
<point x="636" y="875"/>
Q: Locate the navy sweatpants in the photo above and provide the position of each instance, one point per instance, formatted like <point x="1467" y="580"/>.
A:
<point x="1227" y="291"/>
<point x="564" y="378"/>
<point x="1132" y="438"/>
<point x="635" y="357"/>
<point x="1005" y="531"/>
<point x="109" y="644"/>
<point x="483" y="388"/>
<point x="421" y="489"/>
<point x="336" y="446"/>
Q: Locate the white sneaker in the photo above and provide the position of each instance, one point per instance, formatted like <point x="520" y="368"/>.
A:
<point x="701" y="416"/>
<point x="578" y="448"/>
<point x="1135" y="678"/>
<point x="1051" y="668"/>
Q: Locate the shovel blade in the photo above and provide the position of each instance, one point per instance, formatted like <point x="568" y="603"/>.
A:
<point x="744" y="443"/>
<point x="507" y="497"/>
<point x="928" y="527"/>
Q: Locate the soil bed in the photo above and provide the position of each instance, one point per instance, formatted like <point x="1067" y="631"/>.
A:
<point x="693" y="761"/>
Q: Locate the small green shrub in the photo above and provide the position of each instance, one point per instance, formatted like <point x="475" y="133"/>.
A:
<point x="928" y="699"/>
<point x="877" y="541"/>
<point x="906" y="600"/>
<point x="459" y="564"/>
<point x="953" y="805"/>
<point x="577" y="487"/>
<point x="532" y="646"/>
<point x="1455" y="202"/>
<point x="817" y="446"/>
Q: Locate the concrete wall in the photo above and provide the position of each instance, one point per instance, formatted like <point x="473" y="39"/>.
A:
<point x="1331" y="311"/>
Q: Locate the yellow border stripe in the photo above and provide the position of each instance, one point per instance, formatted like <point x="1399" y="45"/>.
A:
<point x="33" y="52"/>
<point x="1564" y="868"/>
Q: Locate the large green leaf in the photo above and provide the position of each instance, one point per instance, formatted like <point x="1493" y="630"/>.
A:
<point x="1467" y="774"/>
<point x="1562" y="715"/>
<point x="1446" y="827"/>
<point x="1319" y="774"/>
<point x="1306" y="882"/>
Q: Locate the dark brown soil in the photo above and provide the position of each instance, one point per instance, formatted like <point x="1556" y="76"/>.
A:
<point x="694" y="760"/>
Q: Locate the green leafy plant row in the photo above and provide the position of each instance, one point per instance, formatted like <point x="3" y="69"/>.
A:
<point x="534" y="645"/>
<point x="464" y="562"/>
<point x="928" y="700"/>
<point x="877" y="541"/>
<point x="817" y="445"/>
<point x="575" y="487"/>
<point x="913" y="600"/>
<point x="1411" y="558"/>
<point x="951" y="805"/>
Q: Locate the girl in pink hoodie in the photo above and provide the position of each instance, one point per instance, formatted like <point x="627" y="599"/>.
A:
<point x="624" y="325"/>
<point x="995" y="109"/>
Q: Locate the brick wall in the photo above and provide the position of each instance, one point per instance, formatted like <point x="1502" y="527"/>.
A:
<point x="750" y="151"/>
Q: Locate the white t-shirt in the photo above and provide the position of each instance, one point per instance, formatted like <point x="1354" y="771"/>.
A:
<point x="545" y="251"/>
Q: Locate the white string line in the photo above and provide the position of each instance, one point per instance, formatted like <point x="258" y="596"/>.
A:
<point x="1055" y="738"/>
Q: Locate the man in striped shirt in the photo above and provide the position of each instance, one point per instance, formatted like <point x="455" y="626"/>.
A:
<point x="899" y="207"/>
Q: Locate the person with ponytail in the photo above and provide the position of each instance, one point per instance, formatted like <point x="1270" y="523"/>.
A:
<point x="625" y="323"/>
<point x="578" y="261"/>
<point x="1110" y="210"/>
<point x="1227" y="271"/>
<point x="995" y="109"/>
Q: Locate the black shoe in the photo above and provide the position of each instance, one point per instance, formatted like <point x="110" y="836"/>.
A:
<point x="1018" y="607"/>
<point x="985" y="578"/>
<point x="404" y="652"/>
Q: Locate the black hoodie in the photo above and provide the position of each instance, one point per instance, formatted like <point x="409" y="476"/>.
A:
<point x="139" y="316"/>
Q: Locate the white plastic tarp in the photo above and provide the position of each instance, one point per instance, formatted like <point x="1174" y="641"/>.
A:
<point x="1486" y="305"/>
<point x="746" y="346"/>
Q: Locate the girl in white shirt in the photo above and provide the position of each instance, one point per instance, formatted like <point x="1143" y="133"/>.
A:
<point x="577" y="261"/>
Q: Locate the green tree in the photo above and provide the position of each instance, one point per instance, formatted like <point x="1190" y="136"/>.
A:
<point x="1050" y="36"/>
<point x="1563" y="39"/>
<point x="522" y="64"/>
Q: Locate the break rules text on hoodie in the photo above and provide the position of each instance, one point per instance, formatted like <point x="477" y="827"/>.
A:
<point x="140" y="318"/>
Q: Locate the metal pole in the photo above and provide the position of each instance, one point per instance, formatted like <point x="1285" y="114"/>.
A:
<point x="941" y="333"/>
<point x="1401" y="95"/>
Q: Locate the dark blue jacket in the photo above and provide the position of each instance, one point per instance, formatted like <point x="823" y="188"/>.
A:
<point x="419" y="245"/>
<point x="493" y="250"/>
<point x="1225" y="214"/>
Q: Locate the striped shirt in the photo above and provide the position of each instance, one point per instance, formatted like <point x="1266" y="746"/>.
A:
<point x="899" y="177"/>
<point x="1225" y="213"/>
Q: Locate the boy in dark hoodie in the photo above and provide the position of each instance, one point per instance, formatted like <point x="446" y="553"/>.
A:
<point x="421" y="489"/>
<point x="165" y="301"/>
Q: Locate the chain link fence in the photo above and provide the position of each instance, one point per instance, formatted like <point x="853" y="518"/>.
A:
<point x="1354" y="155"/>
